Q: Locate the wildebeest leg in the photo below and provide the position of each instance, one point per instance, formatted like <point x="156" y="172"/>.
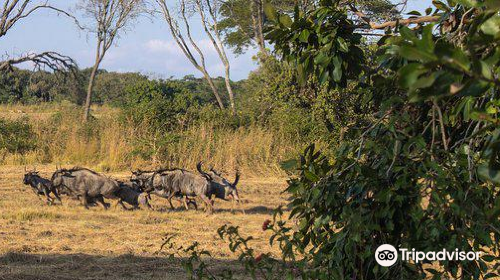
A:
<point x="123" y="205"/>
<point x="56" y="194"/>
<point x="100" y="199"/>
<point x="192" y="201"/>
<point x="170" y="200"/>
<point x="50" y="201"/>
<point x="241" y="207"/>
<point x="208" y="204"/>
<point x="85" y="201"/>
<point x="184" y="200"/>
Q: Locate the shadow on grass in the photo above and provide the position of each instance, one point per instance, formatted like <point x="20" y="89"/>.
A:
<point x="237" y="210"/>
<point x="17" y="266"/>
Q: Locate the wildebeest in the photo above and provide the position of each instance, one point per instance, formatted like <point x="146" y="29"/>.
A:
<point x="128" y="194"/>
<point x="179" y="182"/>
<point x="221" y="187"/>
<point x="152" y="183"/>
<point x="85" y="184"/>
<point x="40" y="186"/>
<point x="221" y="184"/>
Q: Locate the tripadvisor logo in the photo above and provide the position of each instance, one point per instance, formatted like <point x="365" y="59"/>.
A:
<point x="386" y="255"/>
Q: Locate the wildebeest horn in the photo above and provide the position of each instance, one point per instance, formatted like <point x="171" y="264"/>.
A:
<point x="236" y="179"/>
<point x="206" y="175"/>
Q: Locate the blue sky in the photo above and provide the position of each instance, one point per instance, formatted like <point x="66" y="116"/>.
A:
<point x="147" y="48"/>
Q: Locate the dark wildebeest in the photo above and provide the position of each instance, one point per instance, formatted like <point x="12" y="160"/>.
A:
<point x="40" y="186"/>
<point x="151" y="182"/>
<point x="221" y="187"/>
<point x="128" y="194"/>
<point x="85" y="184"/>
<point x="222" y="183"/>
<point x="180" y="182"/>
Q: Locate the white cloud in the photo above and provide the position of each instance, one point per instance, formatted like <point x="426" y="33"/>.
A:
<point x="160" y="46"/>
<point x="171" y="47"/>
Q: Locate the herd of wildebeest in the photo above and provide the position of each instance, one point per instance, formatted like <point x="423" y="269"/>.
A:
<point x="91" y="188"/>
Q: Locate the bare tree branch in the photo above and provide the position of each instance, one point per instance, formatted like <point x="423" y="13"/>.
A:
<point x="178" y="36"/>
<point x="212" y="30"/>
<point x="51" y="60"/>
<point x="15" y="10"/>
<point x="371" y="25"/>
<point x="11" y="13"/>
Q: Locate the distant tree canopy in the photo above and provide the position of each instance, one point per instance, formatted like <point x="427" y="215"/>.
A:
<point x="24" y="86"/>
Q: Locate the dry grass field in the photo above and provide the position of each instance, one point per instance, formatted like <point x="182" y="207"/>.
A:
<point x="68" y="242"/>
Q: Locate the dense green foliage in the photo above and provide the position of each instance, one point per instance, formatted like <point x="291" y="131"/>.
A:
<point x="424" y="174"/>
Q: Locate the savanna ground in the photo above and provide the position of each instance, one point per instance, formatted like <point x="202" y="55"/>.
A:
<point x="68" y="242"/>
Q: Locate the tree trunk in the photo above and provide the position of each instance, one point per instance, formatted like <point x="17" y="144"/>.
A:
<point x="90" y="87"/>
<point x="257" y="10"/>
<point x="98" y="58"/>
<point x="230" y="89"/>
<point x="212" y="86"/>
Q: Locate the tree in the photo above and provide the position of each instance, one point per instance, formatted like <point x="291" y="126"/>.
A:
<point x="424" y="172"/>
<point x="187" y="49"/>
<point x="11" y="13"/>
<point x="243" y="27"/>
<point x="109" y="17"/>
<point x="242" y="23"/>
<point x="211" y="26"/>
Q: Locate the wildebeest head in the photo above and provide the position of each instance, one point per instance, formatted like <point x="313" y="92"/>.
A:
<point x="230" y="190"/>
<point x="29" y="176"/>
<point x="140" y="179"/>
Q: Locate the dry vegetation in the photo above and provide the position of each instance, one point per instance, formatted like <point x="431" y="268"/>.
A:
<point x="111" y="144"/>
<point x="69" y="242"/>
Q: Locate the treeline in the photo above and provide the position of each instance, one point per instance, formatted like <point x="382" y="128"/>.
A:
<point x="30" y="87"/>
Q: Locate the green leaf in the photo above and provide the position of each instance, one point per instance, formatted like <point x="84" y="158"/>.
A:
<point x="424" y="82"/>
<point x="468" y="3"/>
<point x="286" y="20"/>
<point x="409" y="74"/>
<point x="304" y="36"/>
<point x="415" y="13"/>
<point x="486" y="70"/>
<point x="427" y="41"/>
<point x="270" y="12"/>
<point x="440" y="5"/>
<point x="408" y="34"/>
<point x="488" y="258"/>
<point x="337" y="71"/>
<point x="492" y="26"/>
<point x="343" y="46"/>
<point x="289" y="165"/>
<point x="474" y="88"/>
<point x="489" y="174"/>
<point x="414" y="53"/>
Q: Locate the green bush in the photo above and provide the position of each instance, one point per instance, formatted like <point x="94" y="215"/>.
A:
<point x="17" y="136"/>
<point x="160" y="105"/>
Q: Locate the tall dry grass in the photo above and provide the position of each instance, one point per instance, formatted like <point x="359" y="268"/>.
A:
<point x="110" y="143"/>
